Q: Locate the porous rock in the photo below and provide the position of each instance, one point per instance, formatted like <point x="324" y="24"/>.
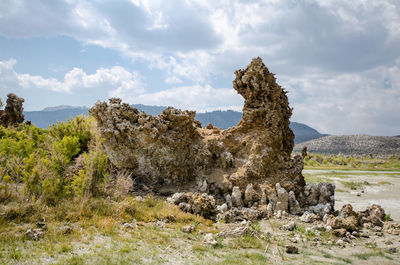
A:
<point x="251" y="161"/>
<point x="347" y="219"/>
<point x="374" y="214"/>
<point x="12" y="115"/>
<point x="294" y="206"/>
<point x="249" y="195"/>
<point x="308" y="217"/>
<point x="290" y="249"/>
<point x="210" y="240"/>
<point x="198" y="203"/>
<point x="240" y="214"/>
<point x="236" y="197"/>
<point x="283" y="198"/>
<point x="172" y="148"/>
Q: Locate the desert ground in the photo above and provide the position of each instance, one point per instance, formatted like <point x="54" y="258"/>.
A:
<point x="105" y="240"/>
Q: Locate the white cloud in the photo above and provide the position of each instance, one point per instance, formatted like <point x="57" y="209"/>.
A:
<point x="116" y="80"/>
<point x="199" y="98"/>
<point x="338" y="58"/>
<point x="353" y="103"/>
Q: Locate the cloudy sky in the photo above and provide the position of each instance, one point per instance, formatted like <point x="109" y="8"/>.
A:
<point x="338" y="59"/>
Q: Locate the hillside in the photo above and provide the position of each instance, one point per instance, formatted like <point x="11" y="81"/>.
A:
<point x="353" y="144"/>
<point x="222" y="119"/>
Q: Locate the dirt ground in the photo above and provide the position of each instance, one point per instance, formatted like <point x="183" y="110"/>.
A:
<point x="105" y="241"/>
<point x="370" y="187"/>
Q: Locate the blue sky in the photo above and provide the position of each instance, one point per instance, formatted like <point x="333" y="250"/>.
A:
<point x="339" y="60"/>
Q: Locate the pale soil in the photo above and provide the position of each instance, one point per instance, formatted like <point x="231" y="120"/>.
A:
<point x="382" y="187"/>
<point x="148" y="243"/>
<point x="127" y="248"/>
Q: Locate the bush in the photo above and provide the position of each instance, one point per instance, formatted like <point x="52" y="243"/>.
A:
<point x="45" y="160"/>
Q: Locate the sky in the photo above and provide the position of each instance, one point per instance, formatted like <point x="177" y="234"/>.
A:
<point x="339" y="60"/>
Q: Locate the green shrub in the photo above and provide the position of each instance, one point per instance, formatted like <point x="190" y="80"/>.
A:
<point x="44" y="160"/>
<point x="78" y="128"/>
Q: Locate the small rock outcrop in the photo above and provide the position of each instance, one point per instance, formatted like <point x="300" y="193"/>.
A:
<point x="350" y="220"/>
<point x="12" y="115"/>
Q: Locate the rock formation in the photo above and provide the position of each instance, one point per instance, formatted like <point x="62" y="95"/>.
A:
<point x="240" y="166"/>
<point x="12" y="114"/>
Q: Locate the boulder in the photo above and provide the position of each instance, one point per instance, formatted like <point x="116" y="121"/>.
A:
<point x="294" y="206"/>
<point x="283" y="198"/>
<point x="236" y="197"/>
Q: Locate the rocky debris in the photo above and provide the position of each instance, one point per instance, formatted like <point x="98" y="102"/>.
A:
<point x="160" y="224"/>
<point x="222" y="208"/>
<point x="347" y="219"/>
<point x="294" y="206"/>
<point x="235" y="232"/>
<point x="12" y="115"/>
<point x="241" y="214"/>
<point x="341" y="243"/>
<point x="210" y="240"/>
<point x="283" y="198"/>
<point x="41" y="225"/>
<point x="289" y="227"/>
<point x="66" y="229"/>
<point x="128" y="226"/>
<point x="374" y="214"/>
<point x="197" y="203"/>
<point x="319" y="197"/>
<point x="295" y="239"/>
<point x="170" y="219"/>
<point x="348" y="222"/>
<point x="34" y="234"/>
<point x="340" y="232"/>
<point x="290" y="249"/>
<point x="308" y="217"/>
<point x="236" y="197"/>
<point x="392" y="250"/>
<point x="249" y="195"/>
<point x="188" y="229"/>
<point x="392" y="228"/>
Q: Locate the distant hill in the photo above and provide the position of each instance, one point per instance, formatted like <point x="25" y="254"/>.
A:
<point x="222" y="119"/>
<point x="353" y="144"/>
<point x="304" y="132"/>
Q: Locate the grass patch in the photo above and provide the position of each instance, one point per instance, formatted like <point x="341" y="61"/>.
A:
<point x="243" y="259"/>
<point x="366" y="256"/>
<point x="384" y="183"/>
<point x="354" y="185"/>
<point x="246" y="242"/>
<point x="335" y="257"/>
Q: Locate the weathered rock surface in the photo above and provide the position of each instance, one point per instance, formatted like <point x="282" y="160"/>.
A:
<point x="172" y="148"/>
<point x="197" y="203"/>
<point x="248" y="165"/>
<point x="12" y="115"/>
<point x="350" y="220"/>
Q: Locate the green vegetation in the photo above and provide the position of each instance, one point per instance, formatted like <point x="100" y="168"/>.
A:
<point x="353" y="185"/>
<point x="366" y="256"/>
<point x="351" y="162"/>
<point x="62" y="176"/>
<point x="64" y="161"/>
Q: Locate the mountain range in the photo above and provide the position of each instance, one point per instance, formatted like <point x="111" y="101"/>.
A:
<point x="221" y="119"/>
<point x="352" y="145"/>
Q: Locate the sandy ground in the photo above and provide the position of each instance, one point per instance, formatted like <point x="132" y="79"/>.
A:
<point x="381" y="187"/>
